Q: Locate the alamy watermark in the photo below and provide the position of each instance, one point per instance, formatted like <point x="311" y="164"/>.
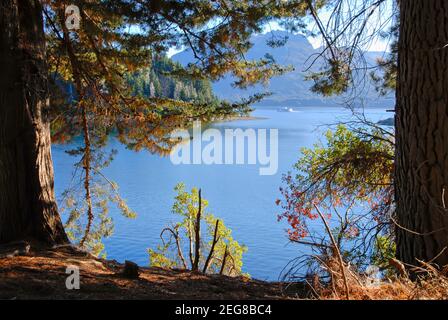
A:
<point x="72" y="282"/>
<point x="72" y="17"/>
<point x="228" y="146"/>
<point x="373" y="274"/>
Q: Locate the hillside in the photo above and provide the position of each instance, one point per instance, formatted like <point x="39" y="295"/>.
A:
<point x="34" y="273"/>
<point x="41" y="274"/>
<point x="291" y="88"/>
<point x="153" y="82"/>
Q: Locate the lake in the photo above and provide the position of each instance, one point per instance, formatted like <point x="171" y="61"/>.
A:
<point x="240" y="196"/>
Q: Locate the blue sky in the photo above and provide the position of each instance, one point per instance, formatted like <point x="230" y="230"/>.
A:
<point x="376" y="44"/>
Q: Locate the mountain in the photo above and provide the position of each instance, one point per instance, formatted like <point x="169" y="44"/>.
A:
<point x="291" y="89"/>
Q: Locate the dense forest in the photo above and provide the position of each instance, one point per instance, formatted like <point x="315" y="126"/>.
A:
<point x="156" y="82"/>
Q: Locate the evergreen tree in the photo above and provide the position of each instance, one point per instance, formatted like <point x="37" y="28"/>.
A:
<point x="115" y="38"/>
<point x="415" y="70"/>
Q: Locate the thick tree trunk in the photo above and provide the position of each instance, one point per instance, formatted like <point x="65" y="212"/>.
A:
<point x="422" y="132"/>
<point x="27" y="202"/>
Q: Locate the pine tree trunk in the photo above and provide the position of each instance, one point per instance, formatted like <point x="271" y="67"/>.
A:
<point x="28" y="208"/>
<point x="422" y="132"/>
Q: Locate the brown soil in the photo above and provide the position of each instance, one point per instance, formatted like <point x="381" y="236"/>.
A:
<point x="42" y="275"/>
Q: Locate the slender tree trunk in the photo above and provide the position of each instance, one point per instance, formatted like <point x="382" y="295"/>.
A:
<point x="212" y="249"/>
<point x="422" y="132"/>
<point x="27" y="202"/>
<point x="197" y="237"/>
<point x="224" y="260"/>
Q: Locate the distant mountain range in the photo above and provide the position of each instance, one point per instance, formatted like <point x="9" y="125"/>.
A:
<point x="292" y="89"/>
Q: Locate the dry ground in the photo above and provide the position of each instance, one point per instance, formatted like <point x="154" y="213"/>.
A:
<point x="42" y="275"/>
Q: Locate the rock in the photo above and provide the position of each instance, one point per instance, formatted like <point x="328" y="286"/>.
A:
<point x="130" y="270"/>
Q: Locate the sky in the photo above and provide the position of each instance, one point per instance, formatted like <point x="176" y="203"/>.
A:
<point x="377" y="44"/>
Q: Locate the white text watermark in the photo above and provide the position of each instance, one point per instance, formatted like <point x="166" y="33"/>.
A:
<point x="228" y="146"/>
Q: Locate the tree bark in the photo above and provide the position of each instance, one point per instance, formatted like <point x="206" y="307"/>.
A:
<point x="421" y="164"/>
<point x="28" y="208"/>
<point x="224" y="260"/>
<point x="212" y="249"/>
<point x="197" y="237"/>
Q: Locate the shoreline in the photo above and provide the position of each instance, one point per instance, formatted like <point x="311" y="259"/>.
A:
<point x="240" y="118"/>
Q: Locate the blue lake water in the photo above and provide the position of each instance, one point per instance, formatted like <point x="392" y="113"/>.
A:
<point x="240" y="196"/>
